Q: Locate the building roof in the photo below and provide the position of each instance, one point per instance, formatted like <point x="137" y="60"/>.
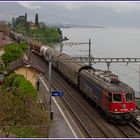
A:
<point x="3" y="27"/>
<point x="27" y="61"/>
<point x="4" y="42"/>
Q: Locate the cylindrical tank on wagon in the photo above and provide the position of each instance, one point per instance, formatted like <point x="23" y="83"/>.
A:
<point x="54" y="56"/>
<point x="43" y="51"/>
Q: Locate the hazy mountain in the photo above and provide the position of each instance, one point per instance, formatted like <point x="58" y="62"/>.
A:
<point x="85" y="15"/>
<point x="10" y="9"/>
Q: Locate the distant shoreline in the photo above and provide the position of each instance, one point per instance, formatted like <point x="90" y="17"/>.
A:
<point x="59" y="25"/>
<point x="83" y="27"/>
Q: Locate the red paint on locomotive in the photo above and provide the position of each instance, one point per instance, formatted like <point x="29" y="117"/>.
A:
<point x="124" y="102"/>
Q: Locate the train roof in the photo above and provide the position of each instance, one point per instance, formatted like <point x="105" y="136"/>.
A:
<point x="104" y="80"/>
<point x="68" y="60"/>
<point x="64" y="58"/>
<point x="55" y="53"/>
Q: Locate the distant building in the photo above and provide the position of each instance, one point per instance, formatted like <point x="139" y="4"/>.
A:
<point x="4" y="30"/>
<point x="42" y="25"/>
<point x="32" y="25"/>
<point x="23" y="20"/>
<point x="27" y="67"/>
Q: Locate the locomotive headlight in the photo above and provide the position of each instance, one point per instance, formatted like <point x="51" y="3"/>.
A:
<point x="131" y="109"/>
<point x="116" y="110"/>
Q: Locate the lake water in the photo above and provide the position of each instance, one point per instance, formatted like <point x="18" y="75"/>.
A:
<point x="108" y="42"/>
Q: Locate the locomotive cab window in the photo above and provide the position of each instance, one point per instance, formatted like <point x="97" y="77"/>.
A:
<point x="129" y="97"/>
<point x="117" y="97"/>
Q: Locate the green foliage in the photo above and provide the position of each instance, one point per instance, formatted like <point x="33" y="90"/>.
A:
<point x="18" y="81"/>
<point x="20" y="27"/>
<point x="25" y="132"/>
<point x="13" y="52"/>
<point x="2" y="68"/>
<point x="42" y="34"/>
<point x="47" y="35"/>
<point x="17" y="112"/>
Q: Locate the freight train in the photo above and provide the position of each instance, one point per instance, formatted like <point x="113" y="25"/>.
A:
<point x="115" y="98"/>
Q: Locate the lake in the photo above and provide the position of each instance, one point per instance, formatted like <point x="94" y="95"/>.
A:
<point x="108" y="42"/>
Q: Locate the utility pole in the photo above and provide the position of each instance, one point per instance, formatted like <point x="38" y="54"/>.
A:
<point x="108" y="65"/>
<point x="139" y="80"/>
<point x="61" y="46"/>
<point x="90" y="52"/>
<point x="50" y="101"/>
<point x="79" y="43"/>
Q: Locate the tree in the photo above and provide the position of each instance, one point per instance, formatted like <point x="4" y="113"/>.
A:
<point x="19" y="81"/>
<point x="26" y="23"/>
<point x="25" y="17"/>
<point x="19" y="111"/>
<point x="13" y="23"/>
<point x="36" y="20"/>
<point x="18" y="104"/>
<point x="13" y="52"/>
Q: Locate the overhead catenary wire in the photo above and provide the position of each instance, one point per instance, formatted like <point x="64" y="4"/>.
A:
<point x="75" y="61"/>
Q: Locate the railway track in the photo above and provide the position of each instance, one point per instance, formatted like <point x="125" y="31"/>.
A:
<point x="130" y="130"/>
<point x="86" y="123"/>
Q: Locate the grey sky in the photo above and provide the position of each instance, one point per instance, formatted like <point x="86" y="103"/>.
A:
<point x="124" y="14"/>
<point x="118" y="6"/>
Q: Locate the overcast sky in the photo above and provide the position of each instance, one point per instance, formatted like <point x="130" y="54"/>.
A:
<point x="124" y="14"/>
<point x="70" y="5"/>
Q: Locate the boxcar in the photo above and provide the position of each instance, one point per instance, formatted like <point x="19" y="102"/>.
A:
<point x="70" y="68"/>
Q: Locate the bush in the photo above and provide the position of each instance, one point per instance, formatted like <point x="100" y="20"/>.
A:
<point x="19" y="81"/>
<point x="18" y="106"/>
<point x="47" y="35"/>
<point x="13" y="52"/>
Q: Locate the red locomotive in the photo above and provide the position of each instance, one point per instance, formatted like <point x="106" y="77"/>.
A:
<point x="114" y="97"/>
